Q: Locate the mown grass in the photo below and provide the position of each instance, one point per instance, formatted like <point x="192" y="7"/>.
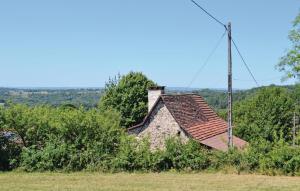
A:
<point x="151" y="181"/>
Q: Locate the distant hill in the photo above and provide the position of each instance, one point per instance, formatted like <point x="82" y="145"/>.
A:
<point x="89" y="97"/>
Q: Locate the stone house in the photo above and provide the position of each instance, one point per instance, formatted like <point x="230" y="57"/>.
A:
<point x="183" y="115"/>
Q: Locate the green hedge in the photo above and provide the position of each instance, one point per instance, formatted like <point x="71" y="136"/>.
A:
<point x="70" y="139"/>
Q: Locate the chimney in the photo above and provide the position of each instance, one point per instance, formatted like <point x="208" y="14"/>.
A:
<point x="153" y="94"/>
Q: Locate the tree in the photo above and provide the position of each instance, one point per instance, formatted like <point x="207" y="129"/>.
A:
<point x="266" y="115"/>
<point x="16" y="119"/>
<point x="128" y="95"/>
<point x="290" y="63"/>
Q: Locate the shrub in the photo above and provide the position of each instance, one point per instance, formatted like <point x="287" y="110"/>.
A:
<point x="9" y="150"/>
<point x="53" y="156"/>
<point x="282" y="159"/>
<point x="9" y="154"/>
<point x="82" y="139"/>
<point x="71" y="139"/>
<point x="185" y="156"/>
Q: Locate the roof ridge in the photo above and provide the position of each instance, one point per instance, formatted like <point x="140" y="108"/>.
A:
<point x="180" y="94"/>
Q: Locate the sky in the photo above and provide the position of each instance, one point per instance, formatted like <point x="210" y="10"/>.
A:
<point x="81" y="43"/>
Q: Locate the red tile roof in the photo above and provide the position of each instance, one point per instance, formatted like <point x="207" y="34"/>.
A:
<point x="194" y="115"/>
<point x="199" y="120"/>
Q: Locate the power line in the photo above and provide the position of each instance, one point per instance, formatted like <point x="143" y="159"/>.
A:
<point x="221" y="23"/>
<point x="217" y="20"/>
<point x="246" y="65"/>
<point x="207" y="59"/>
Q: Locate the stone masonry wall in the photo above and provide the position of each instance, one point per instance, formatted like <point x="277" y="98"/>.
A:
<point x="160" y="126"/>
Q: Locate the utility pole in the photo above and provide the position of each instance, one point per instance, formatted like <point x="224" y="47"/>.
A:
<point x="294" y="130"/>
<point x="230" y="141"/>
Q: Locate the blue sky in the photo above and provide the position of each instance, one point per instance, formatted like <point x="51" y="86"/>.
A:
<point x="81" y="43"/>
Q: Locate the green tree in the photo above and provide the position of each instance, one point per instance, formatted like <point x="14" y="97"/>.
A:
<point x="266" y="115"/>
<point x="128" y="95"/>
<point x="16" y="119"/>
<point x="32" y="124"/>
<point x="290" y="63"/>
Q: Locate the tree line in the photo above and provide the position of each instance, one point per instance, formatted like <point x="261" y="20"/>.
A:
<point x="87" y="97"/>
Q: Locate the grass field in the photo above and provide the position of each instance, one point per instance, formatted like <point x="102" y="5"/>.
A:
<point x="132" y="182"/>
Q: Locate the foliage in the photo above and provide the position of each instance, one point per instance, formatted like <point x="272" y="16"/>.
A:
<point x="32" y="125"/>
<point x="83" y="139"/>
<point x="261" y="156"/>
<point x="53" y="156"/>
<point x="63" y="138"/>
<point x="185" y="156"/>
<point x="9" y="154"/>
<point x="128" y="95"/>
<point x="290" y="63"/>
<point x="282" y="159"/>
<point x="218" y="98"/>
<point x="136" y="155"/>
<point x="267" y="115"/>
<point x="70" y="139"/>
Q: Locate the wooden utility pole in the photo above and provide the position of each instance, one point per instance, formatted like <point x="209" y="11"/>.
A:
<point x="294" y="130"/>
<point x="230" y="141"/>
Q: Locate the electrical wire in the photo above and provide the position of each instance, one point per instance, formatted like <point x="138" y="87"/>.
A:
<point x="217" y="20"/>
<point x="236" y="47"/>
<point x="246" y="65"/>
<point x="207" y="59"/>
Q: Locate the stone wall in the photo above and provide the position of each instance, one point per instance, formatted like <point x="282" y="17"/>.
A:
<point x="160" y="126"/>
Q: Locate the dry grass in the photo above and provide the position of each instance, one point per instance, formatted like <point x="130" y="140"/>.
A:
<point x="151" y="181"/>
